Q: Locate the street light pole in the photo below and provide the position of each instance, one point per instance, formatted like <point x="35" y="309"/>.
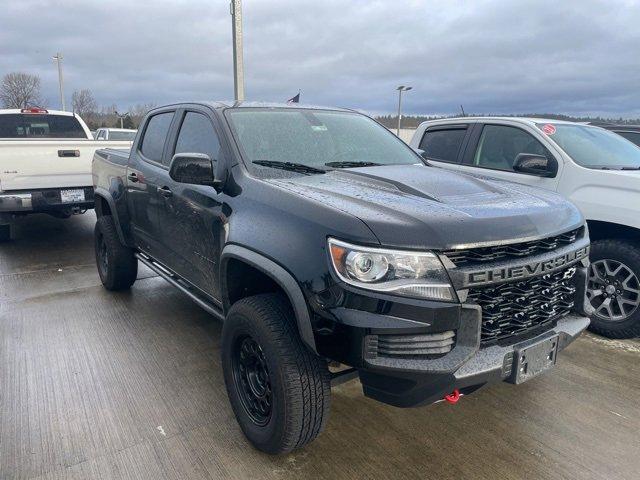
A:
<point x="121" y="116"/>
<point x="400" y="89"/>
<point x="238" y="66"/>
<point x="58" y="58"/>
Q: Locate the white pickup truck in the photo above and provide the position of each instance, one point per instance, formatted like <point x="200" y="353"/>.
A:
<point x="596" y="169"/>
<point x="45" y="164"/>
<point x="116" y="134"/>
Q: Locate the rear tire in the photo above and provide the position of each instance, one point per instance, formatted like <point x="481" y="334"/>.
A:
<point x="5" y="233"/>
<point x="614" y="288"/>
<point x="279" y="389"/>
<point x="117" y="264"/>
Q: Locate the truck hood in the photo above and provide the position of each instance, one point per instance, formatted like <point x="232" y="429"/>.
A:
<point x="415" y="206"/>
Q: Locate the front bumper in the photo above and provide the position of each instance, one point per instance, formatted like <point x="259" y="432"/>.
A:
<point x="45" y="201"/>
<point x="488" y="365"/>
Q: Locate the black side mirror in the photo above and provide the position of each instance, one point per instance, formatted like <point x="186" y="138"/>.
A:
<point x="193" y="168"/>
<point x="538" y="165"/>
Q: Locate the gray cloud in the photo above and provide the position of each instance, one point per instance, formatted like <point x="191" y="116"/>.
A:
<point x="574" y="57"/>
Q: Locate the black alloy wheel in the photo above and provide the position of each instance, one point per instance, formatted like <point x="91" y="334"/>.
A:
<point x="253" y="383"/>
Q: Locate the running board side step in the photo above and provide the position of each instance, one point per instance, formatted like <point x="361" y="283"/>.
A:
<point x="181" y="285"/>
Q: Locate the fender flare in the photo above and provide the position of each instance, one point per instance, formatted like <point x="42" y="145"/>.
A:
<point x="104" y="194"/>
<point x="282" y="277"/>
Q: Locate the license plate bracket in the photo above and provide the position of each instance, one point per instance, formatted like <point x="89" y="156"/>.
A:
<point x="73" y="195"/>
<point x="533" y="359"/>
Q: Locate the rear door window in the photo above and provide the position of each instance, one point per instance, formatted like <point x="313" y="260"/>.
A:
<point x="40" y="125"/>
<point x="197" y="135"/>
<point x="155" y="136"/>
<point x="443" y="143"/>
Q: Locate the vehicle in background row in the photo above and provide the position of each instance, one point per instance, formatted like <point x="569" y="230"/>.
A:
<point x="596" y="169"/>
<point x="318" y="235"/>
<point x="118" y="134"/>
<point x="45" y="164"/>
<point x="630" y="132"/>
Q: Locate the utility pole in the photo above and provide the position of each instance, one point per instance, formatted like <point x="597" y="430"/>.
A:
<point x="58" y="58"/>
<point x="400" y="89"/>
<point x="238" y="67"/>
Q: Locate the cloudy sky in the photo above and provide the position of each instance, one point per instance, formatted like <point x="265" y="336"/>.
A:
<point x="492" y="56"/>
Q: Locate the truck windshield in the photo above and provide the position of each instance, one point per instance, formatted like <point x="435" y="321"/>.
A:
<point x="24" y="125"/>
<point x="320" y="139"/>
<point x="594" y="147"/>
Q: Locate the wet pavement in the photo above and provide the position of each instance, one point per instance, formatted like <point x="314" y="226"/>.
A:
<point x="129" y="385"/>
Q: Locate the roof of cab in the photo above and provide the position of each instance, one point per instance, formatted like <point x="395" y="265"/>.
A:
<point x="223" y="104"/>
<point x="528" y="120"/>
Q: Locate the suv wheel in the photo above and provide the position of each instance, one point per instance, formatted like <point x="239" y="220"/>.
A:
<point x="117" y="264"/>
<point x="279" y="390"/>
<point x="614" y="288"/>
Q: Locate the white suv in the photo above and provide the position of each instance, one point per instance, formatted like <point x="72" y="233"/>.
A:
<point x="596" y="169"/>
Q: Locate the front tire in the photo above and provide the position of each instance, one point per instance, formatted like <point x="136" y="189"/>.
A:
<point x="614" y="288"/>
<point x="279" y="389"/>
<point x="117" y="264"/>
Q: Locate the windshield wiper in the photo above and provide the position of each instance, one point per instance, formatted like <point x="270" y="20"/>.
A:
<point x="351" y="164"/>
<point x="291" y="166"/>
<point x="616" y="167"/>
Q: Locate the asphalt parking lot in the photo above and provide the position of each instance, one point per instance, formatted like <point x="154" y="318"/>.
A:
<point x="129" y="385"/>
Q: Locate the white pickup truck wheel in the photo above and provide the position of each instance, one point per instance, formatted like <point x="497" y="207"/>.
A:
<point x="614" y="288"/>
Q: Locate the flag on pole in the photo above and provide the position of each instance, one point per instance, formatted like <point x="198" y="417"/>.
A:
<point x="294" y="99"/>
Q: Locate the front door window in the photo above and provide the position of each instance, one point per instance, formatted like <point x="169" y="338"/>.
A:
<point x="499" y="146"/>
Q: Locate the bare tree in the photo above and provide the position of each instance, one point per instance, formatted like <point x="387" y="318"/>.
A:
<point x="20" y="90"/>
<point x="137" y="112"/>
<point x="84" y="104"/>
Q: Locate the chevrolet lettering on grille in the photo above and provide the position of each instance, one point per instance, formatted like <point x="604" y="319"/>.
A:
<point x="505" y="274"/>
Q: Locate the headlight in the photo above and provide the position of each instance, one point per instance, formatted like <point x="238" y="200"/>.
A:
<point x="406" y="273"/>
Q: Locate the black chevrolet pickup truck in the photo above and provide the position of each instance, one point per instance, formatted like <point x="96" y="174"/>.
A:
<point x="332" y="250"/>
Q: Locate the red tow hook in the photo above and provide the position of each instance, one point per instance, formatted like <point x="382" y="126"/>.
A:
<point x="453" y="397"/>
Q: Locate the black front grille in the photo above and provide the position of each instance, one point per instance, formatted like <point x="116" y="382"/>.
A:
<point x="519" y="307"/>
<point x="516" y="250"/>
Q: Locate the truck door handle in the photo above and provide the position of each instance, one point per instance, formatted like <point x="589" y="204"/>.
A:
<point x="132" y="177"/>
<point x="68" y="153"/>
<point x="165" y="192"/>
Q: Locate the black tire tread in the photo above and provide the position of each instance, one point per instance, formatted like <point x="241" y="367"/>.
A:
<point x="5" y="232"/>
<point x="306" y="376"/>
<point x="122" y="259"/>
<point x="631" y="326"/>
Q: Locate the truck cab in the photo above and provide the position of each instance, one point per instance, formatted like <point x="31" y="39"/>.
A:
<point x="596" y="169"/>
